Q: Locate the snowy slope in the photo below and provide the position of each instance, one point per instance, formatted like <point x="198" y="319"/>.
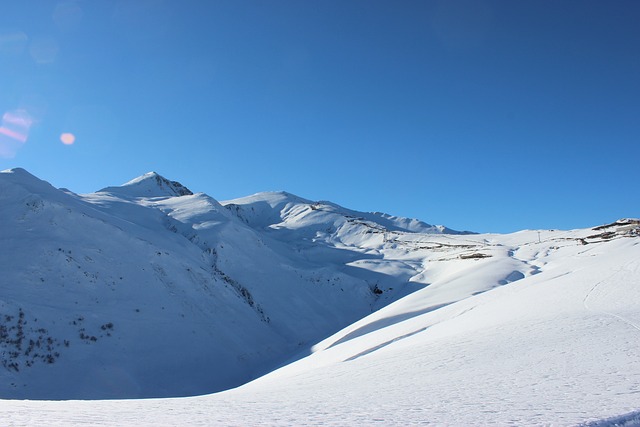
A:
<point x="531" y="328"/>
<point x="557" y="346"/>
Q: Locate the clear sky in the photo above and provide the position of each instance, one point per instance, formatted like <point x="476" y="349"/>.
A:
<point x="479" y="115"/>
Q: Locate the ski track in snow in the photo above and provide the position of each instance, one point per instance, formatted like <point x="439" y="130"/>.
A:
<point x="624" y="274"/>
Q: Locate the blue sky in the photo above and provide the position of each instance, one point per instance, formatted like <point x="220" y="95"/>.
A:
<point x="479" y="115"/>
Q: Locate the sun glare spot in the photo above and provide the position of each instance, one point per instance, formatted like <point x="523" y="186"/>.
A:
<point x="68" y="138"/>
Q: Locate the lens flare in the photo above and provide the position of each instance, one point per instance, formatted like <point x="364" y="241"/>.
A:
<point x="20" y="137"/>
<point x="14" y="132"/>
<point x="68" y="138"/>
<point x="13" y="43"/>
<point x="44" y="50"/>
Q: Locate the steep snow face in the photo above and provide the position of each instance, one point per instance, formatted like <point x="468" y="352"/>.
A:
<point x="149" y="185"/>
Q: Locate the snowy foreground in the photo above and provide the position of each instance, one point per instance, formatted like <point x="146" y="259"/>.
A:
<point x="530" y="328"/>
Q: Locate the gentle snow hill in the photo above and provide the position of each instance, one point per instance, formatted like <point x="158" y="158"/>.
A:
<point x="150" y="290"/>
<point x="527" y="329"/>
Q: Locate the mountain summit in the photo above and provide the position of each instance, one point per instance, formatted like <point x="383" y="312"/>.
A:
<point x="150" y="184"/>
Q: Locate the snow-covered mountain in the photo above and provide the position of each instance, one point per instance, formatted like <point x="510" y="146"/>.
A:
<point x="147" y="289"/>
<point x="150" y="290"/>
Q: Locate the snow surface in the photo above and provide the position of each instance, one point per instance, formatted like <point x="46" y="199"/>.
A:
<point x="373" y="323"/>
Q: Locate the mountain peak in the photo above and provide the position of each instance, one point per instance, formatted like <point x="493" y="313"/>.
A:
<point x="25" y="179"/>
<point x="151" y="184"/>
<point x="19" y="172"/>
